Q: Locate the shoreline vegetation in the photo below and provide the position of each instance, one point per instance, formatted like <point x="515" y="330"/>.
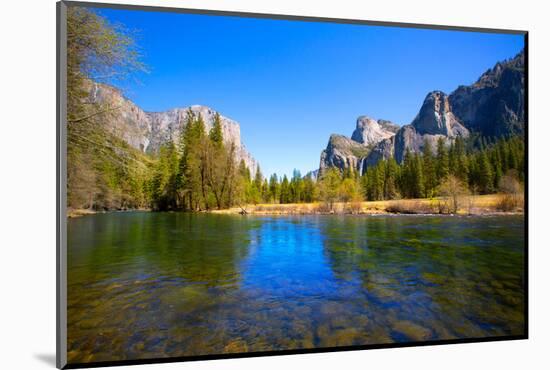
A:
<point x="474" y="205"/>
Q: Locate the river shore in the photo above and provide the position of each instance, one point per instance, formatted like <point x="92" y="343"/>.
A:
<point x="79" y="212"/>
<point x="467" y="205"/>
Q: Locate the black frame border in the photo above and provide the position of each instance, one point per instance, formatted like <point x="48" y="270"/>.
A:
<point x="61" y="280"/>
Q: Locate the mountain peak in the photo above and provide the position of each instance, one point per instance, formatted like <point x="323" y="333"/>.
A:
<point x="435" y="116"/>
<point x="368" y="131"/>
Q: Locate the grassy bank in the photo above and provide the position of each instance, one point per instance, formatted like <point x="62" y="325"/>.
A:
<point x="79" y="212"/>
<point x="467" y="205"/>
<point x="73" y="213"/>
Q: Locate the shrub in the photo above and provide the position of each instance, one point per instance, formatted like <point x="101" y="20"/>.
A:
<point x="404" y="207"/>
<point x="513" y="192"/>
<point x="453" y="192"/>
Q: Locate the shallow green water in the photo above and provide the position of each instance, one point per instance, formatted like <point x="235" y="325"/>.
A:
<point x="144" y="285"/>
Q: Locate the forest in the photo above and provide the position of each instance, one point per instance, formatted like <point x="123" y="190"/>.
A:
<point x="200" y="171"/>
<point x="203" y="175"/>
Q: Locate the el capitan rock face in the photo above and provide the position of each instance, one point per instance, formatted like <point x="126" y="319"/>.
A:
<point x="492" y="107"/>
<point x="147" y="131"/>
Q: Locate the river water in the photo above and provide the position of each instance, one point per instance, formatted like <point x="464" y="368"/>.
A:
<point x="151" y="285"/>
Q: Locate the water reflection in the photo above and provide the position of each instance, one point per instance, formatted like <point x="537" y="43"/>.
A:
<point x="145" y="285"/>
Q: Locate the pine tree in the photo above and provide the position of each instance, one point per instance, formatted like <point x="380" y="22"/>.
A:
<point x="186" y="182"/>
<point x="265" y="191"/>
<point x="296" y="187"/>
<point x="460" y="169"/>
<point x="417" y="177"/>
<point x="274" y="190"/>
<point x="216" y="134"/>
<point x="379" y="175"/>
<point x="442" y="160"/>
<point x="390" y="181"/>
<point x="429" y="174"/>
<point x="485" y="180"/>
<point x="199" y="150"/>
<point x="310" y="190"/>
<point x="164" y="179"/>
<point x="257" y="186"/>
<point x="285" y="191"/>
<point x="496" y="165"/>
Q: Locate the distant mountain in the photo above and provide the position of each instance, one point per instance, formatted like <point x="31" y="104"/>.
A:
<point x="342" y="152"/>
<point x="492" y="107"/>
<point x="369" y="131"/>
<point x="435" y="120"/>
<point x="147" y="131"/>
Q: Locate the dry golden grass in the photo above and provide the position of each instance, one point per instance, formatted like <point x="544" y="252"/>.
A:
<point x="72" y="213"/>
<point x="472" y="204"/>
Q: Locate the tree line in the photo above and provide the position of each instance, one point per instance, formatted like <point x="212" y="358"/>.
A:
<point x="421" y="175"/>
<point x="458" y="167"/>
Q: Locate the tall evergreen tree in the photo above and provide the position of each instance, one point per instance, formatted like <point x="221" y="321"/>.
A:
<point x="216" y="134"/>
<point x="442" y="161"/>
<point x="310" y="190"/>
<point x="284" y="196"/>
<point x="460" y="166"/>
<point x="390" y="181"/>
<point x="274" y="190"/>
<point x="485" y="173"/>
<point x="429" y="170"/>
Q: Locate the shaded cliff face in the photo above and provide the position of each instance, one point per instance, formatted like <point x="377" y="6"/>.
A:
<point x="494" y="104"/>
<point x="147" y="131"/>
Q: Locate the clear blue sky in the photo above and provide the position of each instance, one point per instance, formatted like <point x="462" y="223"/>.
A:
<point x="291" y="84"/>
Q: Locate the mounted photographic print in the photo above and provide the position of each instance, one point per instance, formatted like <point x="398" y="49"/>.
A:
<point x="235" y="184"/>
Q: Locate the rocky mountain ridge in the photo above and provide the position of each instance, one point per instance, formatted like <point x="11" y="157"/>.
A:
<point x="147" y="131"/>
<point x="492" y="107"/>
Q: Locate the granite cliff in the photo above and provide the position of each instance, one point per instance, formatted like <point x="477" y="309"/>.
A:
<point x="147" y="131"/>
<point x="492" y="107"/>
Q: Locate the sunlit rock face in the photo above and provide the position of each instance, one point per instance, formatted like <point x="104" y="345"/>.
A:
<point x="436" y="118"/>
<point x="369" y="132"/>
<point x="147" y="131"/>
